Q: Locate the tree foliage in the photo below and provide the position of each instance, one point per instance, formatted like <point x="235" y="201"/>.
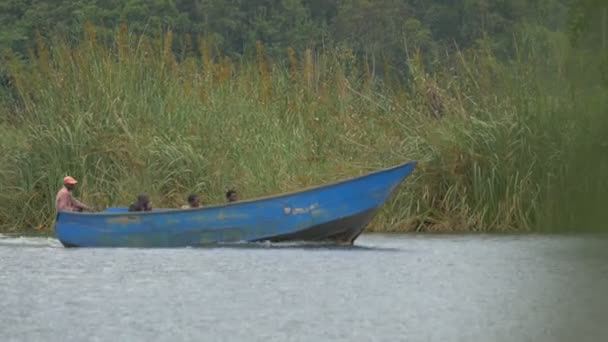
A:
<point x="378" y="31"/>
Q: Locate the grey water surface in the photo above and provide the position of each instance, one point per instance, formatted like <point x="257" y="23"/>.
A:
<point x="386" y="288"/>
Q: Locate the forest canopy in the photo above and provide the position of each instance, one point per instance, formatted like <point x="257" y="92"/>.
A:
<point x="379" y="29"/>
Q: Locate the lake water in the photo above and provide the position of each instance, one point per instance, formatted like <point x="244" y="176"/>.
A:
<point x="386" y="288"/>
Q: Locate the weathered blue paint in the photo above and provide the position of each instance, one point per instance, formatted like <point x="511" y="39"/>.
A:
<point x="252" y="220"/>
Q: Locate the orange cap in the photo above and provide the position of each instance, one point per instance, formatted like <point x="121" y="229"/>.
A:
<point x="69" y="180"/>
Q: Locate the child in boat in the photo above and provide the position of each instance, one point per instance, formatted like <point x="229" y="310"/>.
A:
<point x="142" y="204"/>
<point x="193" y="202"/>
<point x="232" y="196"/>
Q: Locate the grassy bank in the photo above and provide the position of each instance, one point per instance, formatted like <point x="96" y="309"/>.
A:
<point x="503" y="146"/>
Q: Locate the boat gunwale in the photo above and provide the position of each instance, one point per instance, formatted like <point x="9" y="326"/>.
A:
<point x="251" y="200"/>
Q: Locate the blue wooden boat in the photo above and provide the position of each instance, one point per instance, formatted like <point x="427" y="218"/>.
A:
<point x="337" y="212"/>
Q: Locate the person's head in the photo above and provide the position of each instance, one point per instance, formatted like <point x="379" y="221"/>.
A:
<point x="232" y="196"/>
<point x="194" y="201"/>
<point x="143" y="201"/>
<point x="69" y="182"/>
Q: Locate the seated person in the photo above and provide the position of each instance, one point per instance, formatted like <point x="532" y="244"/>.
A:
<point x="193" y="202"/>
<point x="142" y="204"/>
<point x="231" y="196"/>
<point x="64" y="201"/>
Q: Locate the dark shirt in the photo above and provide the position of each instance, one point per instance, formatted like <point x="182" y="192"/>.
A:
<point x="138" y="207"/>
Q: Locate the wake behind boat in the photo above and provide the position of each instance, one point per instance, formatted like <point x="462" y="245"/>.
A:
<point x="337" y="212"/>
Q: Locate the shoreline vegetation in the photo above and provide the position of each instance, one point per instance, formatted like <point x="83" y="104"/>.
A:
<point x="516" y="144"/>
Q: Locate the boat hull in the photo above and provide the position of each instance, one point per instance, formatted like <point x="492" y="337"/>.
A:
<point x="337" y="212"/>
<point x="343" y="230"/>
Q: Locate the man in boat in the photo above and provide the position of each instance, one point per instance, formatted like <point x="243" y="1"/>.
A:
<point x="142" y="204"/>
<point x="193" y="202"/>
<point x="232" y="196"/>
<point x="64" y="201"/>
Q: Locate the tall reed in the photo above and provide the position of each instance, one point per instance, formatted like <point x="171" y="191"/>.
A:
<point x="503" y="146"/>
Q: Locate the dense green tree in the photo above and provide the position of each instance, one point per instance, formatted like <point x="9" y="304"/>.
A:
<point x="280" y="24"/>
<point x="589" y="23"/>
<point x="377" y="30"/>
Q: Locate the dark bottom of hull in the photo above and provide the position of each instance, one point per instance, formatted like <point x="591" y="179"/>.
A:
<point x="343" y="231"/>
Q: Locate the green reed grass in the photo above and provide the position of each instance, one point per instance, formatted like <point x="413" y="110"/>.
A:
<point x="503" y="146"/>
